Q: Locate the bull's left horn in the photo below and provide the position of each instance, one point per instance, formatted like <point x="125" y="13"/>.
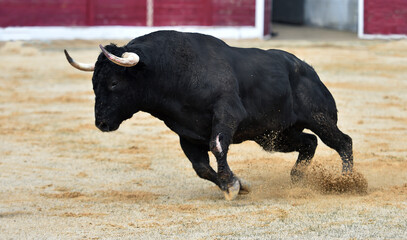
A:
<point x="80" y="66"/>
<point x="128" y="59"/>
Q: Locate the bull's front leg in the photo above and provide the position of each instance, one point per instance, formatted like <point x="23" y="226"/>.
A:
<point x="229" y="184"/>
<point x="224" y="126"/>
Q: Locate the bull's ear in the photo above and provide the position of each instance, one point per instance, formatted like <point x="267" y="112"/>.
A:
<point x="138" y="72"/>
<point x="128" y="59"/>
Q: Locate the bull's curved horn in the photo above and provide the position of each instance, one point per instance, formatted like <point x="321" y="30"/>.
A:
<point x="80" y="66"/>
<point x="128" y="59"/>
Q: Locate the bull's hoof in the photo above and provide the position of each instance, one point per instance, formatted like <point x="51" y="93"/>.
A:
<point x="245" y="187"/>
<point x="297" y="175"/>
<point x="347" y="169"/>
<point x="238" y="187"/>
<point x="232" y="192"/>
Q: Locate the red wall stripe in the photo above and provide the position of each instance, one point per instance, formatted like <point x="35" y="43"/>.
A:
<point x="42" y="12"/>
<point x="126" y="12"/>
<point x="385" y="17"/>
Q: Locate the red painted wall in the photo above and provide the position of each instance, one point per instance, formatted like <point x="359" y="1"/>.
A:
<point x="182" y="12"/>
<point x="233" y="12"/>
<point x="42" y="12"/>
<point x="72" y="12"/>
<point x="204" y="12"/>
<point x="126" y="12"/>
<point x="385" y="17"/>
<point x="118" y="12"/>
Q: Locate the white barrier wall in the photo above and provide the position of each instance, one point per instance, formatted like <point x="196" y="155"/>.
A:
<point x="336" y="14"/>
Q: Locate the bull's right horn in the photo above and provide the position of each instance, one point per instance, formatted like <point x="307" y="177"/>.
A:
<point x="80" y="66"/>
<point x="128" y="59"/>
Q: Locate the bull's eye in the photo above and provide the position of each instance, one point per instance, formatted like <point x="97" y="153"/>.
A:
<point x="113" y="85"/>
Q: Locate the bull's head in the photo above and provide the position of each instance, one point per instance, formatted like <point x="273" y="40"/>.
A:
<point x="111" y="84"/>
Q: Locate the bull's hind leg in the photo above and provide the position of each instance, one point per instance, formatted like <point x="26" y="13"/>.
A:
<point x="306" y="149"/>
<point x="328" y="131"/>
<point x="292" y="140"/>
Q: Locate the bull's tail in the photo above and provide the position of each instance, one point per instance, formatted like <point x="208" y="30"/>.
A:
<point x="310" y="93"/>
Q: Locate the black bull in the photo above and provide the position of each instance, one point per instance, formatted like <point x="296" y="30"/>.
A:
<point x="213" y="95"/>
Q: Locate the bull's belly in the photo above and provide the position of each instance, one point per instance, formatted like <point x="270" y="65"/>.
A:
<point x="252" y="129"/>
<point x="251" y="132"/>
<point x="199" y="130"/>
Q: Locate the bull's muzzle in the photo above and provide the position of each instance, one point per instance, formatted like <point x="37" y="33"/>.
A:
<point x="104" y="126"/>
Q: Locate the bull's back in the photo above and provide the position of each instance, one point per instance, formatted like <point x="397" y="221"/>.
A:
<point x="271" y="91"/>
<point x="260" y="81"/>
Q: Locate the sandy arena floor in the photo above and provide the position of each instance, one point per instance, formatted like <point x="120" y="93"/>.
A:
<point x="62" y="178"/>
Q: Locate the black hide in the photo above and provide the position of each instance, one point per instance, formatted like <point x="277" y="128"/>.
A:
<point x="213" y="95"/>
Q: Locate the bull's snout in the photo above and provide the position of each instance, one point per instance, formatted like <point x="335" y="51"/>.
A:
<point x="103" y="126"/>
<point x="106" y="126"/>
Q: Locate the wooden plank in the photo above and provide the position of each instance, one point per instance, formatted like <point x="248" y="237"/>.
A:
<point x="126" y="12"/>
<point x="181" y="12"/>
<point x="385" y="17"/>
<point x="234" y="12"/>
<point x="90" y="12"/>
<point x="72" y="12"/>
<point x="120" y="12"/>
<point x="42" y="13"/>
<point x="204" y="12"/>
